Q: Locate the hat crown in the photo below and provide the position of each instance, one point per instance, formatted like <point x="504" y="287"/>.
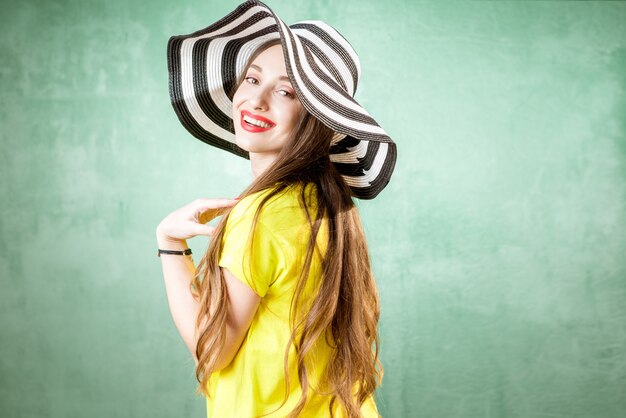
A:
<point x="331" y="52"/>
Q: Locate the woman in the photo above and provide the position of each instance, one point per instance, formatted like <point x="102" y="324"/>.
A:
<point x="282" y="310"/>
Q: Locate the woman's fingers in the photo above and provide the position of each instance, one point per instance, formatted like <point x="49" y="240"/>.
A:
<point x="191" y="219"/>
<point x="215" y="203"/>
<point x="208" y="209"/>
<point x="201" y="229"/>
<point x="208" y="215"/>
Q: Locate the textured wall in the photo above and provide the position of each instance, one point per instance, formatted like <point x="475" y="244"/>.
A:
<point x="499" y="244"/>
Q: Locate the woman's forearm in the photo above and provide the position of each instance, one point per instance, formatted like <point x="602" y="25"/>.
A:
<point x="178" y="271"/>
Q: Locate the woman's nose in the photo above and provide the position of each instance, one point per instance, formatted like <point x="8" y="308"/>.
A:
<point x="259" y="99"/>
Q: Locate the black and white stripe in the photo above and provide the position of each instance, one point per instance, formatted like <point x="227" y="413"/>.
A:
<point x="323" y="68"/>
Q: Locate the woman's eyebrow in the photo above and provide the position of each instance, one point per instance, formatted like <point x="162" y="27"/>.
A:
<point x="259" y="69"/>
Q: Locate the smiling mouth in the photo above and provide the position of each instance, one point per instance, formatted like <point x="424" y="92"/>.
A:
<point x="250" y="127"/>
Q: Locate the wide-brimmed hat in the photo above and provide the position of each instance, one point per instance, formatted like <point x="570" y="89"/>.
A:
<point x="324" y="71"/>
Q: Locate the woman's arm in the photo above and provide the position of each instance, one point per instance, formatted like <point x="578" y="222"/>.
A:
<point x="178" y="271"/>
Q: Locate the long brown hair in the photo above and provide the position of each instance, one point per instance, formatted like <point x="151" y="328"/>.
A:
<point x="346" y="308"/>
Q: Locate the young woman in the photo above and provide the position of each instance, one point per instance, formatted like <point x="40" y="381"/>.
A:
<point x="281" y="313"/>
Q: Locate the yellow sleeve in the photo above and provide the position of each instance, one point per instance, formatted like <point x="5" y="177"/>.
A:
<point x="258" y="262"/>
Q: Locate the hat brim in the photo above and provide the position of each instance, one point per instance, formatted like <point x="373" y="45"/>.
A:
<point x="204" y="66"/>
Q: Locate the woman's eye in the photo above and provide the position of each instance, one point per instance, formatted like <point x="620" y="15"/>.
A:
<point x="287" y="93"/>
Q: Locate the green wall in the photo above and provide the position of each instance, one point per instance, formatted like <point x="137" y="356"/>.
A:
<point x="499" y="244"/>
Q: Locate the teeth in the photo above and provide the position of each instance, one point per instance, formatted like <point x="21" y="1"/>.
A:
<point x="256" y="122"/>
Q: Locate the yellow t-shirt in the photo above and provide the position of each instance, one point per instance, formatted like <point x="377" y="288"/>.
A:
<point x="254" y="382"/>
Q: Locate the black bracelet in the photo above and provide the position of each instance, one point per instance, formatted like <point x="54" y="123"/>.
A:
<point x="186" y="252"/>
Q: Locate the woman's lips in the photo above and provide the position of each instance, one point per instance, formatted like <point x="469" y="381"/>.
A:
<point x="253" y="128"/>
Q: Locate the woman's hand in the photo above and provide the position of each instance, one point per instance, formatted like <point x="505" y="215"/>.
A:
<point x="190" y="220"/>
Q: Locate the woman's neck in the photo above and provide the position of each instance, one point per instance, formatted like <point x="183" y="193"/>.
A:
<point x="259" y="162"/>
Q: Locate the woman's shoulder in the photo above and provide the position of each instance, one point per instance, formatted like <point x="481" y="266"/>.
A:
<point x="286" y="198"/>
<point x="282" y="208"/>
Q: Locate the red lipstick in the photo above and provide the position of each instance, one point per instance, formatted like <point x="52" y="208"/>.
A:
<point x="253" y="128"/>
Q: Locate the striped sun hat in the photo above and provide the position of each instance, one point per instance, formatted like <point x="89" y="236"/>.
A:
<point x="323" y="69"/>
